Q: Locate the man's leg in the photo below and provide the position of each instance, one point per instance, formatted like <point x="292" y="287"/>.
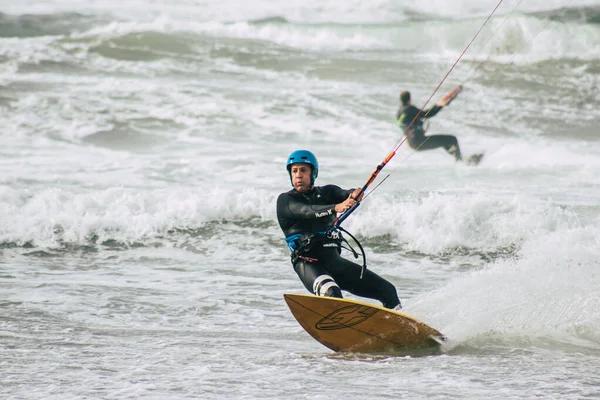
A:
<point x="316" y="279"/>
<point x="372" y="286"/>
<point x="448" y="142"/>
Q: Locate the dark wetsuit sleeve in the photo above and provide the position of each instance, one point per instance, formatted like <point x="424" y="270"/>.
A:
<point x="407" y="114"/>
<point x="338" y="194"/>
<point x="432" y="111"/>
<point x="289" y="207"/>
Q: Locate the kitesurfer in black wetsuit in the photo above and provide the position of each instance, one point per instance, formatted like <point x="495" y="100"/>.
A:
<point x="305" y="215"/>
<point x="410" y="119"/>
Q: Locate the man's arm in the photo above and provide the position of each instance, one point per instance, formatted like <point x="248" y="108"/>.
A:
<point x="444" y="101"/>
<point x="289" y="207"/>
<point x="431" y="112"/>
<point x="411" y="115"/>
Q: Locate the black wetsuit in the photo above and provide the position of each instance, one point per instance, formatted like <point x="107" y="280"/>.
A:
<point x="304" y="219"/>
<point x="416" y="134"/>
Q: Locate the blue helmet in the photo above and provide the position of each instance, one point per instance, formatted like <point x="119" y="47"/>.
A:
<point x="306" y="157"/>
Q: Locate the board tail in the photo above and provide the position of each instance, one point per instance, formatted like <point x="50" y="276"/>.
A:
<point x="474" y="159"/>
<point x="439" y="339"/>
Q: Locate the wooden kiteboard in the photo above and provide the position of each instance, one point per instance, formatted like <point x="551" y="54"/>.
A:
<point x="353" y="326"/>
<point x="474" y="159"/>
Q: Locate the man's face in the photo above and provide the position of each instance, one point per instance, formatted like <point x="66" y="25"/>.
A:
<point x="301" y="176"/>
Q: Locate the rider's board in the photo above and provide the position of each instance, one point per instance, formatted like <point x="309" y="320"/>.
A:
<point x="474" y="159"/>
<point x="353" y="326"/>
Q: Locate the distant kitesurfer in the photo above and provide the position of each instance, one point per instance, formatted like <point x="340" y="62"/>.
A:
<point x="411" y="119"/>
<point x="306" y="214"/>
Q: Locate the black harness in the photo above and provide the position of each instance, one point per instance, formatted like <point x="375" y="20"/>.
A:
<point x="300" y="244"/>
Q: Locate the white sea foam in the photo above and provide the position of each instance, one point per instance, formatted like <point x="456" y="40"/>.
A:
<point x="549" y="290"/>
<point x="120" y="214"/>
<point x="430" y="225"/>
<point x="297" y="10"/>
<point x="509" y="37"/>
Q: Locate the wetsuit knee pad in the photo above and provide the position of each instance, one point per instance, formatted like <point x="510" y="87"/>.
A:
<point x="324" y="285"/>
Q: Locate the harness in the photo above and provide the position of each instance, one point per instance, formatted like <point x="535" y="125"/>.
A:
<point x="300" y="244"/>
<point x="417" y="130"/>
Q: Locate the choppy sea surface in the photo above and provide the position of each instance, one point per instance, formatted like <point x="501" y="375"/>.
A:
<point x="143" y="146"/>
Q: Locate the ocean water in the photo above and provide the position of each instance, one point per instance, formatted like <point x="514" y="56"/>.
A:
<point x="143" y="146"/>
